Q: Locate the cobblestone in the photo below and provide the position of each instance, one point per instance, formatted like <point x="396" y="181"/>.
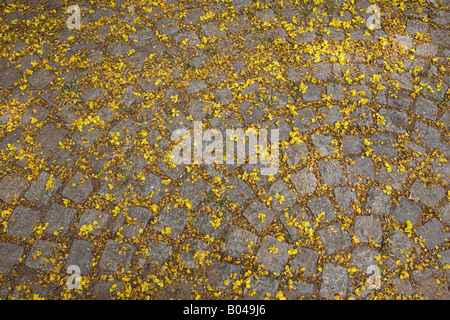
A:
<point x="361" y="178"/>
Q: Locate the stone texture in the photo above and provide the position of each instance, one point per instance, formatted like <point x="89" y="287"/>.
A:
<point x="273" y="254"/>
<point x="59" y="218"/>
<point x="368" y="227"/>
<point x="345" y="196"/>
<point x="321" y="205"/>
<point x="295" y="152"/>
<point x="96" y="218"/>
<point x="352" y="145"/>
<point x="322" y="143"/>
<point x="134" y="221"/>
<point x="278" y="189"/>
<point x="78" y="188"/>
<point x="254" y="213"/>
<point x="238" y="241"/>
<point x="10" y="186"/>
<point x="334" y="281"/>
<point x="433" y="233"/>
<point x="428" y="196"/>
<point x="331" y="172"/>
<point x="43" y="188"/>
<point x="333" y="238"/>
<point x="42" y="255"/>
<point x="81" y="255"/>
<point x="9" y="255"/>
<point x="173" y="218"/>
<point x="378" y="202"/>
<point x="406" y="210"/>
<point x="304" y="181"/>
<point x="158" y="252"/>
<point x="116" y="255"/>
<point x="22" y="221"/>
<point x="305" y="259"/>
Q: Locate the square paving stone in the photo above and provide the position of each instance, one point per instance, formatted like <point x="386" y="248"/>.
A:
<point x="239" y="5"/>
<point x="344" y="197"/>
<point x="335" y="90"/>
<point x="312" y="93"/>
<point x="136" y="219"/>
<point x="112" y="192"/>
<point x="87" y="136"/>
<point x="383" y="144"/>
<point x="279" y="124"/>
<point x="32" y="114"/>
<point x="367" y="226"/>
<point x="295" y="152"/>
<point x="394" y="178"/>
<point x="238" y="241"/>
<point x="142" y="37"/>
<point x="300" y="290"/>
<point x="363" y="257"/>
<point x="317" y="205"/>
<point x="96" y="218"/>
<point x="119" y="48"/>
<point x="331" y="173"/>
<point x="42" y="255"/>
<point x="116" y="254"/>
<point x="81" y="255"/>
<point x="10" y="76"/>
<point x="11" y="185"/>
<point x="305" y="258"/>
<point x="221" y="272"/>
<point x="361" y="170"/>
<point x="322" y="143"/>
<point x="401" y="100"/>
<point x="58" y="218"/>
<point x="152" y="185"/>
<point x="406" y="209"/>
<point x="280" y="188"/>
<point x="362" y="116"/>
<point x="294" y="219"/>
<point x="194" y="190"/>
<point x="433" y="233"/>
<point x="333" y="238"/>
<point x="40" y="79"/>
<point x="428" y="135"/>
<point x="22" y="221"/>
<point x="304" y="181"/>
<point x="263" y="288"/>
<point x="259" y="215"/>
<point x="378" y="202"/>
<point x="174" y="218"/>
<point x="9" y="255"/>
<point x="190" y="35"/>
<point x="334" y="281"/>
<point x="50" y="136"/>
<point x="78" y="188"/>
<point x="401" y="245"/>
<point x="395" y="121"/>
<point x="167" y="26"/>
<point x="42" y="189"/>
<point x="426" y="108"/>
<point x="158" y="252"/>
<point x="205" y="223"/>
<point x="240" y="191"/>
<point x="303" y="121"/>
<point x="331" y="115"/>
<point x="273" y="254"/>
<point x="426" y="195"/>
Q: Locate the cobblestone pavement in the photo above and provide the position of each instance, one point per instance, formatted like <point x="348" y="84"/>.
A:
<point x="88" y="187"/>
